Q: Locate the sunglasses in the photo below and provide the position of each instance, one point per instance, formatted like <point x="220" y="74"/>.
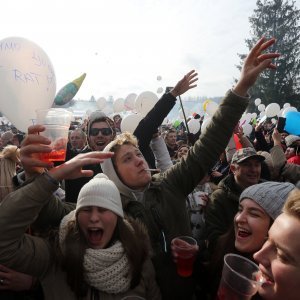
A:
<point x="104" y="131"/>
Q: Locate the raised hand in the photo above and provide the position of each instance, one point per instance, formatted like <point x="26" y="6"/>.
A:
<point x="72" y="169"/>
<point x="254" y="64"/>
<point x="185" y="83"/>
<point x="276" y="137"/>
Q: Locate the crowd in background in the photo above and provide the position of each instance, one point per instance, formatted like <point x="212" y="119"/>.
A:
<point x="109" y="236"/>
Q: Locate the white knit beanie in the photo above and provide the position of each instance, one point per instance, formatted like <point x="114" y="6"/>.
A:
<point x="270" y="195"/>
<point x="290" y="139"/>
<point x="101" y="192"/>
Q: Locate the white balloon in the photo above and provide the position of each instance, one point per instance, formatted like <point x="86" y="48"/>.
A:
<point x="118" y="105"/>
<point x="261" y="107"/>
<point x="254" y="115"/>
<point x="158" y="77"/>
<point x="211" y="108"/>
<point x="286" y="105"/>
<point x="280" y="113"/>
<point x="129" y="101"/>
<point x="274" y="121"/>
<point x="160" y="90"/>
<point x="145" y="102"/>
<point x="27" y="81"/>
<point x="247" y="129"/>
<point x="272" y="110"/>
<point x="194" y="126"/>
<point x="286" y="110"/>
<point x="205" y="124"/>
<point x="130" y="122"/>
<point x="262" y="114"/>
<point x="257" y="101"/>
<point x="101" y="103"/>
<point x="108" y="110"/>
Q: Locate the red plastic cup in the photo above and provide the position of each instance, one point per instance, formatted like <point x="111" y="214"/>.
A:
<point x="57" y="122"/>
<point x="186" y="249"/>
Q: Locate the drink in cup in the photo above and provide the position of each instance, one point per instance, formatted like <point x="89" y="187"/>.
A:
<point x="57" y="122"/>
<point x="240" y="278"/>
<point x="186" y="250"/>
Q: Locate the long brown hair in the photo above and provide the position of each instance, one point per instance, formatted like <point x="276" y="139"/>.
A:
<point x="133" y="236"/>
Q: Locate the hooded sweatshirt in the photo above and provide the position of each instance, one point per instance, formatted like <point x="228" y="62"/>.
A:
<point x="162" y="204"/>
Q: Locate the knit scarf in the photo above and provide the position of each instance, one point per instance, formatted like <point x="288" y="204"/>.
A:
<point x="107" y="269"/>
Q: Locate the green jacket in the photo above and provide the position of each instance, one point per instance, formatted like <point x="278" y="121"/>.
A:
<point x="162" y="205"/>
<point x="220" y="212"/>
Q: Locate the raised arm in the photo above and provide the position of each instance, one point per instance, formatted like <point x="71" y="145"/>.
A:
<point x="187" y="174"/>
<point x="19" y="209"/>
<point x="148" y="125"/>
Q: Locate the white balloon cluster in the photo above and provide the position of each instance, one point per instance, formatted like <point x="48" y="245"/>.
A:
<point x="273" y="109"/>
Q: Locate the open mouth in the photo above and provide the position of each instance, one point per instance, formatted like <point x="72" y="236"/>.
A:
<point x="265" y="279"/>
<point x="100" y="143"/>
<point x="95" y="235"/>
<point x="243" y="233"/>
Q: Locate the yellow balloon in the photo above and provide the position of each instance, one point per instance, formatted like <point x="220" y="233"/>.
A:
<point x="205" y="104"/>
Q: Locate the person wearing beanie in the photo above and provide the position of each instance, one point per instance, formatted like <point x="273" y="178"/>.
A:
<point x="96" y="253"/>
<point x="259" y="206"/>
<point x="245" y="170"/>
<point x="264" y="200"/>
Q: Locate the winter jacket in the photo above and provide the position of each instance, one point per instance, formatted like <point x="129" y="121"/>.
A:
<point x="220" y="212"/>
<point x="162" y="205"/>
<point x="34" y="255"/>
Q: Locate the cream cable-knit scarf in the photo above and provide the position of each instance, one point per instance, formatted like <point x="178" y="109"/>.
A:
<point x="105" y="269"/>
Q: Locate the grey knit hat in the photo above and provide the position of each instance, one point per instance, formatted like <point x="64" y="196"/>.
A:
<point x="290" y="139"/>
<point x="101" y="192"/>
<point x="270" y="195"/>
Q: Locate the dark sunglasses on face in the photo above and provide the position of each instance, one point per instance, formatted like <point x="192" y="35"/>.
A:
<point x="104" y="131"/>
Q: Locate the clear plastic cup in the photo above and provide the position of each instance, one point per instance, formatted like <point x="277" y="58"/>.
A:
<point x="240" y="278"/>
<point x="186" y="250"/>
<point x="57" y="122"/>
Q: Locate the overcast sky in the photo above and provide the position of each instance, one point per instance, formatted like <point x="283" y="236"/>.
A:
<point x="123" y="45"/>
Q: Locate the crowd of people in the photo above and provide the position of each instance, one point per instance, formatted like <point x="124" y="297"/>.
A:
<point x="100" y="225"/>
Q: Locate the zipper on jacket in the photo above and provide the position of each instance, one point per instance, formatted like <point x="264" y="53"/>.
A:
<point x="162" y="237"/>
